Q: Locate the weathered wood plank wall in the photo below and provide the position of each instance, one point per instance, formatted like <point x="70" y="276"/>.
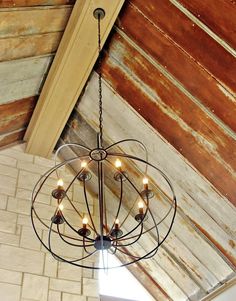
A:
<point x="30" y="32"/>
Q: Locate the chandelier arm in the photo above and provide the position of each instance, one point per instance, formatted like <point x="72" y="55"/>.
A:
<point x="59" y="257"/>
<point x="69" y="243"/>
<point x="150" y="255"/>
<point x="76" y="176"/>
<point x="46" y="175"/>
<point x="130" y="140"/>
<point x="145" y="162"/>
<point x="85" y="247"/>
<point x="73" y="229"/>
<point x="88" y="209"/>
<point x="80" y="215"/>
<point x="119" y="206"/>
<point x="67" y="145"/>
<point x="45" y="225"/>
<point x="138" y="237"/>
<point x="146" y="203"/>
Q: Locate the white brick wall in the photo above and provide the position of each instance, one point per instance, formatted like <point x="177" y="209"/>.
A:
<point x="27" y="271"/>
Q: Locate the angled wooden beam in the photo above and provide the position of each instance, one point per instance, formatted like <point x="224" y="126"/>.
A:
<point x="72" y="65"/>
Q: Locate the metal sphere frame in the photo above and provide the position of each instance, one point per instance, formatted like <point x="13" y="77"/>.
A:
<point x="113" y="237"/>
<point x="117" y="244"/>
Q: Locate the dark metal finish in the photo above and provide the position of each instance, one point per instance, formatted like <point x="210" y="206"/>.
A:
<point x="112" y="236"/>
<point x="58" y="193"/>
<point x="102" y="243"/>
<point x="99" y="13"/>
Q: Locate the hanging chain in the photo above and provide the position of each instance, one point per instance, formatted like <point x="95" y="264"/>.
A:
<point x="100" y="81"/>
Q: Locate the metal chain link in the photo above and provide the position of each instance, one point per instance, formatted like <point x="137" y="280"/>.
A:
<point x="100" y="82"/>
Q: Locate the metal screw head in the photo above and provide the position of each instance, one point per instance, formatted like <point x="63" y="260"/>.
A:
<point x="99" y="12"/>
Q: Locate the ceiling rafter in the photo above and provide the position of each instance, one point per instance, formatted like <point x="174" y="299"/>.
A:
<point x="75" y="58"/>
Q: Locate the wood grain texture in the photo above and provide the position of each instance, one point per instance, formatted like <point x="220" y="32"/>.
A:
<point x="172" y="114"/>
<point x="23" y="3"/>
<point x="16" y="115"/>
<point x="191" y="39"/>
<point x="22" y="22"/>
<point x="219" y="16"/>
<point x="12" y="137"/>
<point x="195" y="79"/>
<point x="22" y="78"/>
<point x="29" y="46"/>
<point x="77" y="51"/>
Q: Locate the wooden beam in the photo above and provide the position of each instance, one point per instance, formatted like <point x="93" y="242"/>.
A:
<point x="72" y="65"/>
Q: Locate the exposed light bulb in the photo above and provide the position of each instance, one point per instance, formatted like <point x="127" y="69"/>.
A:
<point x="85" y="221"/>
<point x="145" y="181"/>
<point x="118" y="163"/>
<point x="61" y="207"/>
<point x="117" y="221"/>
<point x="83" y="164"/>
<point x="60" y="183"/>
<point x="140" y="204"/>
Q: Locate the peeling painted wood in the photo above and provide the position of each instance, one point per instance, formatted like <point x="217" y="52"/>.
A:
<point x="218" y="15"/>
<point x="20" y="3"/>
<point x="33" y="21"/>
<point x="193" y="191"/>
<point x="22" y="78"/>
<point x="16" y="115"/>
<point x="158" y="47"/>
<point x="177" y="118"/>
<point x="182" y="31"/>
<point x="29" y="46"/>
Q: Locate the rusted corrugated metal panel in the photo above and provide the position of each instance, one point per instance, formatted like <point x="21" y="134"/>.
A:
<point x="20" y="3"/>
<point x="219" y="16"/>
<point x="172" y="114"/>
<point x="187" y="71"/>
<point x="191" y="38"/>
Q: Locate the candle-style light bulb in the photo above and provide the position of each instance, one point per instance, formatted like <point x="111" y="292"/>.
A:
<point x="60" y="184"/>
<point x="61" y="207"/>
<point x="85" y="222"/>
<point x="117" y="224"/>
<point x="83" y="164"/>
<point x="140" y="207"/>
<point x="145" y="183"/>
<point x="118" y="164"/>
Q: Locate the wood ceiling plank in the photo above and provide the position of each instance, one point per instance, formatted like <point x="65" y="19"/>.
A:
<point x="29" y="46"/>
<point x="75" y="58"/>
<point x="157" y="46"/>
<point x="22" y="3"/>
<point x="16" y="115"/>
<point x="22" y="78"/>
<point x="192" y="189"/>
<point x="12" y="138"/>
<point x="219" y="16"/>
<point x="21" y="22"/>
<point x="177" y="118"/>
<point x="191" y="39"/>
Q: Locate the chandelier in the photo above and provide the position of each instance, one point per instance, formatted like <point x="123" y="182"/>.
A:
<point x="128" y="223"/>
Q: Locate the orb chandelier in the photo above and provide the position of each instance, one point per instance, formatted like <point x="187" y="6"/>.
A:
<point x="128" y="222"/>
